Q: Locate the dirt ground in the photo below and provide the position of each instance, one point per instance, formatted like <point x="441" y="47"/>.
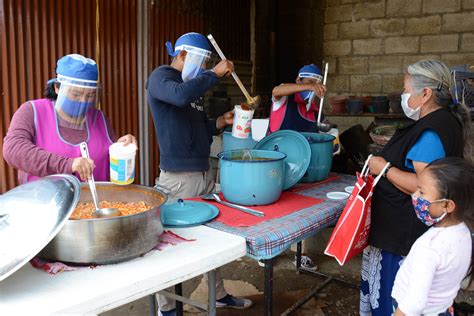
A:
<point x="335" y="299"/>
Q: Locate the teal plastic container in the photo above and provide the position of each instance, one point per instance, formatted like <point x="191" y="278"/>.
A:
<point x="321" y="156"/>
<point x="252" y="182"/>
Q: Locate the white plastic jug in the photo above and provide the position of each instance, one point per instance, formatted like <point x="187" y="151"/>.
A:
<point x="122" y="163"/>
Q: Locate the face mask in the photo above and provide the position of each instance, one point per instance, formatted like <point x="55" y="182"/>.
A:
<point x="75" y="109"/>
<point x="421" y="207"/>
<point x="409" y="112"/>
<point x="305" y="95"/>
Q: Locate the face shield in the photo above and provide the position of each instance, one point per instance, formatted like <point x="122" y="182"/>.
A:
<point x="195" y="62"/>
<point x="76" y="100"/>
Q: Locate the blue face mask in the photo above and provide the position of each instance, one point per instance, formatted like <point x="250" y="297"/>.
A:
<point x="422" y="206"/>
<point x="305" y="95"/>
<point x="75" y="109"/>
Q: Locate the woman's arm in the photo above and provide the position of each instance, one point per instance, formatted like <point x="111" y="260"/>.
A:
<point x="402" y="180"/>
<point x="287" y="89"/>
<point x="398" y="312"/>
<point x="21" y="152"/>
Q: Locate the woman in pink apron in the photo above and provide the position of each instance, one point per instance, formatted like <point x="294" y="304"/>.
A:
<point x="293" y="104"/>
<point x="44" y="134"/>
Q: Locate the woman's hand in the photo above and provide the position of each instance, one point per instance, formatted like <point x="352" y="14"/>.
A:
<point x="376" y="164"/>
<point x="319" y="89"/>
<point x="83" y="167"/>
<point x="127" y="139"/>
<point x="225" y="119"/>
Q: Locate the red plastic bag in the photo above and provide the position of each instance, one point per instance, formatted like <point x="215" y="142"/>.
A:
<point x="351" y="234"/>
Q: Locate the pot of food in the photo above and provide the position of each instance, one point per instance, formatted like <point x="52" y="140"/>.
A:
<point x="87" y="240"/>
<point x="252" y="177"/>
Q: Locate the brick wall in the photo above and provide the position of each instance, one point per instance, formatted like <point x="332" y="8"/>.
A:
<point x="369" y="43"/>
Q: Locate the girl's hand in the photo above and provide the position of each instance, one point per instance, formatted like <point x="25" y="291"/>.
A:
<point x="128" y="139"/>
<point x="376" y="164"/>
<point x="83" y="167"/>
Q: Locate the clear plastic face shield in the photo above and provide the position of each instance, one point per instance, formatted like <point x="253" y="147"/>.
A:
<point x="195" y="62"/>
<point x="76" y="100"/>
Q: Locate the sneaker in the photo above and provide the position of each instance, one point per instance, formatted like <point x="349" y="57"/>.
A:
<point x="167" y="313"/>
<point x="306" y="262"/>
<point x="230" y="301"/>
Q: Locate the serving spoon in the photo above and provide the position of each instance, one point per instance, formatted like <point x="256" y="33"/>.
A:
<point x="99" y="212"/>
<point x="214" y="196"/>
<point x="323" y="127"/>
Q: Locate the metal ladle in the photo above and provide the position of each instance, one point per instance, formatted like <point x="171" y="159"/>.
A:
<point x="323" y="127"/>
<point x="252" y="102"/>
<point x="214" y="196"/>
<point x="99" y="212"/>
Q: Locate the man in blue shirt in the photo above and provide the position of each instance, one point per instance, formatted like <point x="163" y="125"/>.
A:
<point x="184" y="133"/>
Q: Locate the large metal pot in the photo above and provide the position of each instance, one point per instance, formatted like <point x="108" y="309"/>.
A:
<point x="109" y="240"/>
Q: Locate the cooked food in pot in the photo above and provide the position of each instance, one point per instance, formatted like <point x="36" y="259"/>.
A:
<point x="86" y="210"/>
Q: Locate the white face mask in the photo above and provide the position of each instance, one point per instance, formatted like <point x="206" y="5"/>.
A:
<point x="414" y="114"/>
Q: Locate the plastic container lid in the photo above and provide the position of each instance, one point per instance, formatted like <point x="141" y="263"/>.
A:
<point x="187" y="213"/>
<point x="30" y="217"/>
<point x="297" y="150"/>
<point x="120" y="150"/>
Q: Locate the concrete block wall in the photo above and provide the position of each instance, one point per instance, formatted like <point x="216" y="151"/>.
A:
<point x="369" y="43"/>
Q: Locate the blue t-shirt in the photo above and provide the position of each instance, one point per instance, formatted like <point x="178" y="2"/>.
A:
<point x="427" y="148"/>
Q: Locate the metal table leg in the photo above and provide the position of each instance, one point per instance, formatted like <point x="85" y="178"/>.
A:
<point x="178" y="290"/>
<point x="313" y="290"/>
<point x="152" y="300"/>
<point x="268" y="288"/>
<point x="298" y="256"/>
<point x="211" y="276"/>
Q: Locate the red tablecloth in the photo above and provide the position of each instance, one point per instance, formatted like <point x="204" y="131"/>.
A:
<point x="288" y="203"/>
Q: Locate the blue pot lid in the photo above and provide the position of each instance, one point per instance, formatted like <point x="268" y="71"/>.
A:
<point x="297" y="150"/>
<point x="187" y="213"/>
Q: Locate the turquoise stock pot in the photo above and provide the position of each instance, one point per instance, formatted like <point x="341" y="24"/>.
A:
<point x="321" y="156"/>
<point x="252" y="182"/>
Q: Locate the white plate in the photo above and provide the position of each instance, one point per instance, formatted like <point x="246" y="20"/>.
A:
<point x="337" y="195"/>
<point x="349" y="189"/>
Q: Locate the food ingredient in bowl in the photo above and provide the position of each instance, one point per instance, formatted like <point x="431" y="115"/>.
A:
<point x="85" y="210"/>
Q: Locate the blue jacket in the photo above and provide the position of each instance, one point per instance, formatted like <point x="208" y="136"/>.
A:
<point x="182" y="128"/>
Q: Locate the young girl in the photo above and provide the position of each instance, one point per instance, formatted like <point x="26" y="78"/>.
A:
<point x="431" y="274"/>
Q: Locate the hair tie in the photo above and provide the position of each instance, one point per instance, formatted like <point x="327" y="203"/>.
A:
<point x="440" y="85"/>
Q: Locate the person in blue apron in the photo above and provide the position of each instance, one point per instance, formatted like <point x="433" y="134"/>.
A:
<point x="294" y="105"/>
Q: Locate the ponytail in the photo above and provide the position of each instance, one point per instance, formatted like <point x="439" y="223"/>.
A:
<point x="50" y="90"/>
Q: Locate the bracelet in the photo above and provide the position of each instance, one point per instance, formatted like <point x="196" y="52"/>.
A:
<point x="386" y="171"/>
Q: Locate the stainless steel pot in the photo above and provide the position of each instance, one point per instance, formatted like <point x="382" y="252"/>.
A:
<point x="109" y="240"/>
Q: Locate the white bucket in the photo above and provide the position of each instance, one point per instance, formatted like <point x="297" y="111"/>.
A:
<point x="242" y="122"/>
<point x="122" y="163"/>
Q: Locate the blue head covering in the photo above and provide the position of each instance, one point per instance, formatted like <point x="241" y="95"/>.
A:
<point x="310" y="71"/>
<point x="77" y="69"/>
<point x="188" y="40"/>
